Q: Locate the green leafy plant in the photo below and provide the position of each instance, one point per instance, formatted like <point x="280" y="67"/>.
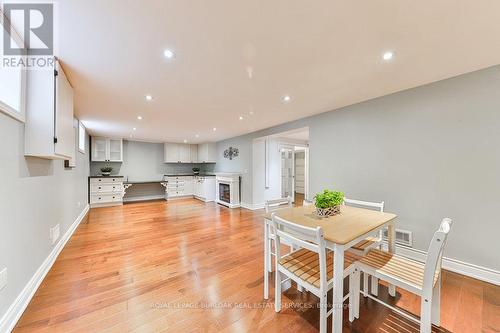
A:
<point x="327" y="199"/>
<point x="196" y="170"/>
<point x="106" y="169"/>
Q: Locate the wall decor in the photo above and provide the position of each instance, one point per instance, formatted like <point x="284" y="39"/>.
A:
<point x="231" y="152"/>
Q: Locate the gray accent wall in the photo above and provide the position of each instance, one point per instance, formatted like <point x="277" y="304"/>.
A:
<point x="428" y="152"/>
<point x="35" y="195"/>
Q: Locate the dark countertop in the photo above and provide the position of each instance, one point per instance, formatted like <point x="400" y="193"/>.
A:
<point x="143" y="181"/>
<point x="189" y="174"/>
<point x="111" y="176"/>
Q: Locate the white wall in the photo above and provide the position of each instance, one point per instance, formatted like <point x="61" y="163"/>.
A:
<point x="35" y="195"/>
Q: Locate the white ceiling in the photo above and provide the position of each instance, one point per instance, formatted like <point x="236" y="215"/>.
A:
<point x="324" y="54"/>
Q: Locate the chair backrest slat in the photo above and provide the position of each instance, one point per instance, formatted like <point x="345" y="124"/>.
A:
<point x="435" y="254"/>
<point x="275" y="204"/>
<point x="304" y="237"/>
<point x="379" y="205"/>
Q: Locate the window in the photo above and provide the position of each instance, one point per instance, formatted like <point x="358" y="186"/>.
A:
<point x="12" y="83"/>
<point x="81" y="137"/>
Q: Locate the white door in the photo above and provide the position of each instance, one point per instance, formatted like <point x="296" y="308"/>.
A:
<point x="115" y="149"/>
<point x="99" y="149"/>
<point x="287" y="171"/>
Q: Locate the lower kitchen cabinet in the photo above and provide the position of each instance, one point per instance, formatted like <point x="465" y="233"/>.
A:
<point x="106" y="191"/>
<point x="180" y="186"/>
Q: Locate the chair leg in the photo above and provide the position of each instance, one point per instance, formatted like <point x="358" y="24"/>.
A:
<point x="352" y="281"/>
<point x="425" y="315"/>
<point x="357" y="281"/>
<point x="322" y="313"/>
<point x="277" y="291"/>
<point x="374" y="285"/>
<point x="365" y="284"/>
<point x="436" y="303"/>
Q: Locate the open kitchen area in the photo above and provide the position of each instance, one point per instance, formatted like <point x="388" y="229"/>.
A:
<point x="124" y="171"/>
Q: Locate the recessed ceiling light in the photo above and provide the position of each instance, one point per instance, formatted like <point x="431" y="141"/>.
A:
<point x="286" y="98"/>
<point x="250" y="113"/>
<point x="169" y="54"/>
<point x="185" y="141"/>
<point x="241" y="117"/>
<point x="388" y="55"/>
<point x="214" y="129"/>
<point x="134" y="129"/>
<point x="139" y="117"/>
<point x="149" y="98"/>
<point x="197" y="135"/>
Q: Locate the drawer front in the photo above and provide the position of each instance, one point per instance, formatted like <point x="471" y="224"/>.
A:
<point x="106" y="188"/>
<point x="105" y="198"/>
<point x="106" y="180"/>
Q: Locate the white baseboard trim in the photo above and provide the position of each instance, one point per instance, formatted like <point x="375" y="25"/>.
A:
<point x="144" y="198"/>
<point x="474" y="271"/>
<point x="252" y="206"/>
<point x="16" y="309"/>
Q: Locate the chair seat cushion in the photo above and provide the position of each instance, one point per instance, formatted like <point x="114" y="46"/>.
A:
<point x="392" y="265"/>
<point x="367" y="243"/>
<point x="305" y="264"/>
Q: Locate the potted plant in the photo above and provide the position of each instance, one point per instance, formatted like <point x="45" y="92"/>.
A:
<point x="328" y="203"/>
<point x="106" y="171"/>
<point x="196" y="171"/>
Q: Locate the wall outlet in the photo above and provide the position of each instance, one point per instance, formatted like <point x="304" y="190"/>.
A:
<point x="3" y="278"/>
<point x="54" y="234"/>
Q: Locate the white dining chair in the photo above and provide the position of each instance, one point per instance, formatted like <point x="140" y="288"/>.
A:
<point x="271" y="206"/>
<point x="368" y="243"/>
<point x="311" y="266"/>
<point x="422" y="279"/>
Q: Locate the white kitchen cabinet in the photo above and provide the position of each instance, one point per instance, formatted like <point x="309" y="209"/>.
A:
<point x="49" y="114"/>
<point x="178" y="153"/>
<point x="194" y="153"/>
<point x="204" y="188"/>
<point x="180" y="186"/>
<point x="207" y="152"/>
<point x="184" y="153"/>
<point x="171" y="153"/>
<point x="71" y="163"/>
<point x="106" y="191"/>
<point x="107" y="150"/>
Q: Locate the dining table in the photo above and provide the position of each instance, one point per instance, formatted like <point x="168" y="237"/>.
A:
<point x="341" y="232"/>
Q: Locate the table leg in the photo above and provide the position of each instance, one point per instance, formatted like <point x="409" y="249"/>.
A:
<point x="266" y="259"/>
<point x="338" y="288"/>
<point x="391" y="241"/>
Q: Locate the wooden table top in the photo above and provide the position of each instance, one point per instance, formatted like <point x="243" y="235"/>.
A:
<point x="341" y="229"/>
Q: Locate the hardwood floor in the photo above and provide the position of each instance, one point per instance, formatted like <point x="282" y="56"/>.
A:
<point x="186" y="266"/>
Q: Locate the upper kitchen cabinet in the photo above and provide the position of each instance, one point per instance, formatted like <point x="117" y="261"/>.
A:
<point x="107" y="150"/>
<point x="179" y="153"/>
<point x="49" y="129"/>
<point x="194" y="153"/>
<point x="207" y="152"/>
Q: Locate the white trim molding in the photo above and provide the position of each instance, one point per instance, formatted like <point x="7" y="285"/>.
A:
<point x="252" y="206"/>
<point x="16" y="309"/>
<point x="474" y="271"/>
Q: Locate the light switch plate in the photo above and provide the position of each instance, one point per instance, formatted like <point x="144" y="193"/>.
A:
<point x="3" y="278"/>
